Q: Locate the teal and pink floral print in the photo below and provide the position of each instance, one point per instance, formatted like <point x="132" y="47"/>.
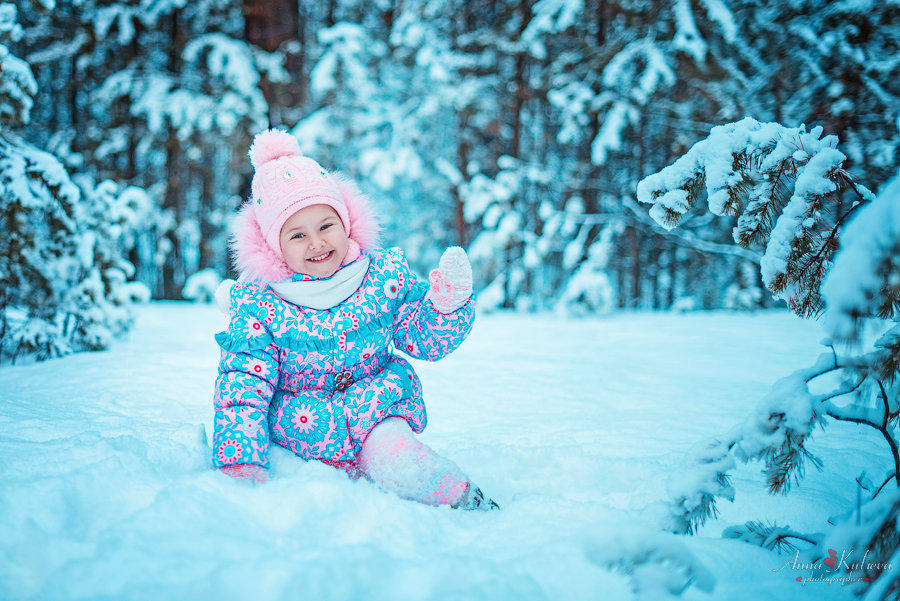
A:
<point x="318" y="381"/>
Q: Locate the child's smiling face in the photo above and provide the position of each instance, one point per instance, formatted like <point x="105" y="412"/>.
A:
<point x="313" y="241"/>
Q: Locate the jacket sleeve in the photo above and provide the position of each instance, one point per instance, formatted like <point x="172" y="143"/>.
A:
<point x="423" y="332"/>
<point x="249" y="368"/>
<point x="244" y="388"/>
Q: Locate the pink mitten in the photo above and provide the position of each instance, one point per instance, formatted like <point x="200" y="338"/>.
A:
<point x="247" y="472"/>
<point x="451" y="282"/>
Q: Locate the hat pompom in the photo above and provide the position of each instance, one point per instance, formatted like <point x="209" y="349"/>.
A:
<point x="272" y="144"/>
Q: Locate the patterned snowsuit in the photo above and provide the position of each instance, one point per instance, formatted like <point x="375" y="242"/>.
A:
<point x="318" y="381"/>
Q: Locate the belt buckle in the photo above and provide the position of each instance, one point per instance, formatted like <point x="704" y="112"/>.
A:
<point x="343" y="380"/>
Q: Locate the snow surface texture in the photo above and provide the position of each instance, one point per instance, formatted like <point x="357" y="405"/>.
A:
<point x="573" y="426"/>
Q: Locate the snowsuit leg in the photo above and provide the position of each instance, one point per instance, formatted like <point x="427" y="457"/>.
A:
<point x="393" y="458"/>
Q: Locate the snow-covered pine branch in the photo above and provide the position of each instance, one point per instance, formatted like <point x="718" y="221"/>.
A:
<point x="17" y="84"/>
<point x="863" y="287"/>
<point x="770" y="536"/>
<point x="780" y="183"/>
<point x="778" y="429"/>
<point x="660" y="566"/>
<point x="701" y="480"/>
<point x="776" y="433"/>
<point x="873" y="534"/>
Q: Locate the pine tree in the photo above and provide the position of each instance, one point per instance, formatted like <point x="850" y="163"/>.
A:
<point x="382" y="92"/>
<point x="785" y="186"/>
<point x="595" y="93"/>
<point x="64" y="279"/>
<point x="782" y="185"/>
<point x="615" y="86"/>
<point x="164" y="96"/>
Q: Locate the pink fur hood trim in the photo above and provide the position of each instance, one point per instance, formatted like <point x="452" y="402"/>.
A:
<point x="256" y="260"/>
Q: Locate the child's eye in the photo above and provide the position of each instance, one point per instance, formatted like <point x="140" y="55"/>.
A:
<point x="297" y="236"/>
<point x="325" y="227"/>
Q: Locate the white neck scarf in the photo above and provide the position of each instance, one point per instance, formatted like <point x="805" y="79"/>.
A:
<point x="326" y="293"/>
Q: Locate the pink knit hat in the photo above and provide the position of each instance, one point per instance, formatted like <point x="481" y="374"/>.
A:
<point x="285" y="181"/>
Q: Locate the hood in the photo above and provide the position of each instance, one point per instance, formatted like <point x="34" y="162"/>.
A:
<point x="256" y="260"/>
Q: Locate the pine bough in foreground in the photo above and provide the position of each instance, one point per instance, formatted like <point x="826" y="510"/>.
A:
<point x="784" y="185"/>
<point x="781" y="183"/>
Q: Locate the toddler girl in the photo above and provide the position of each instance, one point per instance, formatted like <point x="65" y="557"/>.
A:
<point x="307" y="359"/>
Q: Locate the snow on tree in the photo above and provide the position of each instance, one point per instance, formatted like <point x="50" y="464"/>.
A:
<point x="518" y="253"/>
<point x="780" y="183"/>
<point x="862" y="290"/>
<point x="629" y="80"/>
<point x="17" y="86"/>
<point x="658" y="564"/>
<point x="616" y="79"/>
<point x="865" y="279"/>
<point x="589" y="289"/>
<point x="201" y="287"/>
<point x="415" y="98"/>
<point x="161" y="95"/>
<point x="488" y="201"/>
<point x="65" y="281"/>
<point x="784" y="185"/>
<point x="212" y="95"/>
<point x="382" y="110"/>
<point x="228" y="97"/>
<point x="353" y="123"/>
<point x="872" y="531"/>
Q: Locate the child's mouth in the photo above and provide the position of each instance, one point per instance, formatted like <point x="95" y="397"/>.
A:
<point x="320" y="258"/>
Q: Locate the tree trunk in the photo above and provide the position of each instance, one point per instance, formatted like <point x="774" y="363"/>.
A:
<point x="207" y="228"/>
<point x="131" y="168"/>
<point x="635" y="247"/>
<point x="173" y="270"/>
<point x="268" y="24"/>
<point x="673" y="274"/>
<point x="520" y="89"/>
<point x="462" y="160"/>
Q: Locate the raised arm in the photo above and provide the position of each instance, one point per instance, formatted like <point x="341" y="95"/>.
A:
<point x="435" y="318"/>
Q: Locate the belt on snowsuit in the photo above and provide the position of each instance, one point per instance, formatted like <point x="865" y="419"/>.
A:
<point x="340" y="380"/>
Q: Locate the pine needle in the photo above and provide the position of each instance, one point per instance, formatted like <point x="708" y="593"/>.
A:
<point x="768" y="536"/>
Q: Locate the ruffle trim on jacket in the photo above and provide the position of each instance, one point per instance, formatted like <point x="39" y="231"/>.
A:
<point x="246" y="332"/>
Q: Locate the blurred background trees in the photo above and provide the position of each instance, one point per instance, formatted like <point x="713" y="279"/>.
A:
<point x="518" y="128"/>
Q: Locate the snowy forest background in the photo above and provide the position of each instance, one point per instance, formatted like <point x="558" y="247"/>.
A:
<point x="516" y="128"/>
<point x="591" y="155"/>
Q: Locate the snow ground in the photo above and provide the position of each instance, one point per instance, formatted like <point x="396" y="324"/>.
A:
<point x="573" y="426"/>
